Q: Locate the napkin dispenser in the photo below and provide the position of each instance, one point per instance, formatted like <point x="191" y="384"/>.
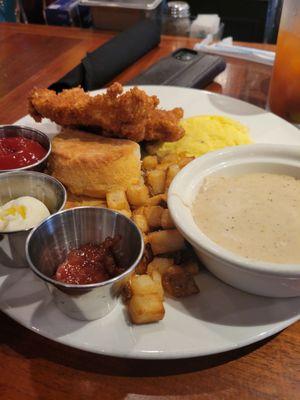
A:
<point x="118" y="15"/>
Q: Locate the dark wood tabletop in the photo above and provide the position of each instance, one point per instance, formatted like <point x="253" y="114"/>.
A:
<point x="32" y="367"/>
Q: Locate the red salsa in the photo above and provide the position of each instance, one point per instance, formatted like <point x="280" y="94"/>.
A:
<point x="16" y="152"/>
<point x="90" y="263"/>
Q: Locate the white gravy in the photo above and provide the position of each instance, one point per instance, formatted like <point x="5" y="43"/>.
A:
<point x="256" y="216"/>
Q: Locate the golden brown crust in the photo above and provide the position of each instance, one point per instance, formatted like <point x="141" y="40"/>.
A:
<point x="91" y="165"/>
<point x="74" y="200"/>
<point x="132" y="115"/>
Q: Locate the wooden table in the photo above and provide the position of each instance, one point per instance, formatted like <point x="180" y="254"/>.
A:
<point x="32" y="367"/>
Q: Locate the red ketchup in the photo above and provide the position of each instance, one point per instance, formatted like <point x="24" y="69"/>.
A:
<point x="90" y="263"/>
<point x="16" y="152"/>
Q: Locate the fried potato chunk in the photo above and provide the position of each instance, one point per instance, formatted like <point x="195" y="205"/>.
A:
<point x="156" y="180"/>
<point x="145" y="309"/>
<point x="146" y="259"/>
<point x="177" y="282"/>
<point x="171" y="173"/>
<point x="170" y="159"/>
<point x="117" y="200"/>
<point x="126" y="292"/>
<point x="166" y="241"/>
<point x="149" y="162"/>
<point x="166" y="221"/>
<point x="160" y="265"/>
<point x="139" y="211"/>
<point x="137" y="195"/>
<point x="144" y="285"/>
<point x="185" y="161"/>
<point x="146" y="303"/>
<point x="158" y="200"/>
<point x="153" y="215"/>
<point x="141" y="222"/>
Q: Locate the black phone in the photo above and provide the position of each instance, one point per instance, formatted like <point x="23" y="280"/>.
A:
<point x="184" y="67"/>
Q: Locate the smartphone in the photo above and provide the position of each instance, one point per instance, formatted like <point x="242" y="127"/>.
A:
<point x="184" y="67"/>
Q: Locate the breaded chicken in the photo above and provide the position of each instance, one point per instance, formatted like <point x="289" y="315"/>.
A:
<point x="131" y="115"/>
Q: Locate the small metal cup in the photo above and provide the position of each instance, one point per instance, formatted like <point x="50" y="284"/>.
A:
<point x="28" y="183"/>
<point x="49" y="243"/>
<point x="28" y="133"/>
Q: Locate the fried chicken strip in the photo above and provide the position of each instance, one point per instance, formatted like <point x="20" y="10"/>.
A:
<point x="131" y="115"/>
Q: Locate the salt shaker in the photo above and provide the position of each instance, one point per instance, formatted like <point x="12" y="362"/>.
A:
<point x="177" y="21"/>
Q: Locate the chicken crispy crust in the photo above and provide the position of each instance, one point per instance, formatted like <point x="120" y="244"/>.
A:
<point x="131" y="115"/>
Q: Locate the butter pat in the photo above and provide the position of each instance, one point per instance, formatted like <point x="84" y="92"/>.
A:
<point x="22" y="213"/>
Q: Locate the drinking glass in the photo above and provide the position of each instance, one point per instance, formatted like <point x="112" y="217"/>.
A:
<point x="284" y="94"/>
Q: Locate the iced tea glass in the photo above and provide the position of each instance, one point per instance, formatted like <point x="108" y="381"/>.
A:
<point x="284" y="94"/>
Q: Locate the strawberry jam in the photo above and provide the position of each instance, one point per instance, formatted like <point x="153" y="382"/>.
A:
<point x="17" y="152"/>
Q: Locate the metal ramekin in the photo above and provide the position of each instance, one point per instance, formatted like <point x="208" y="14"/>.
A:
<point x="49" y="243"/>
<point x="29" y="133"/>
<point x="26" y="183"/>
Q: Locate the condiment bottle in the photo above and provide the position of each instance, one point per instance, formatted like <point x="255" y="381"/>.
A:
<point x="177" y="21"/>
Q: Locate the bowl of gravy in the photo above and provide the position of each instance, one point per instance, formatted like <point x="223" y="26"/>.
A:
<point x="240" y="209"/>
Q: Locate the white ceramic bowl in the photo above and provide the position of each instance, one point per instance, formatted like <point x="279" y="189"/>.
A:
<point x="262" y="278"/>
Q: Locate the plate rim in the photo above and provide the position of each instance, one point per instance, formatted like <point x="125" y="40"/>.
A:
<point x="161" y="355"/>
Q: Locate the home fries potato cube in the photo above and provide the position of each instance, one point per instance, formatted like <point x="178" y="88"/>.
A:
<point x="153" y="215"/>
<point x="137" y="195"/>
<point x="179" y="283"/>
<point x="141" y="222"/>
<point x="185" y="161"/>
<point x="139" y="211"/>
<point x="156" y="276"/>
<point x="145" y="309"/>
<point x="170" y="159"/>
<point x="144" y="285"/>
<point x="156" y="180"/>
<point x="149" y="162"/>
<point x="167" y="241"/>
<point x="171" y="173"/>
<point x="117" y="200"/>
<point x="160" y="265"/>
<point x="158" y="200"/>
<point x="146" y="303"/>
<point x="166" y="221"/>
<point x="146" y="259"/>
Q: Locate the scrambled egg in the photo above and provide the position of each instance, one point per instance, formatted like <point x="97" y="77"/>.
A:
<point x="204" y="133"/>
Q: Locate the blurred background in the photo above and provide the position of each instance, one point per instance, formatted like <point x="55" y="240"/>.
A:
<point x="243" y="20"/>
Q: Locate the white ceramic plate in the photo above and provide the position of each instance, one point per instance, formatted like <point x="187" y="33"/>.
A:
<point x="218" y="319"/>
